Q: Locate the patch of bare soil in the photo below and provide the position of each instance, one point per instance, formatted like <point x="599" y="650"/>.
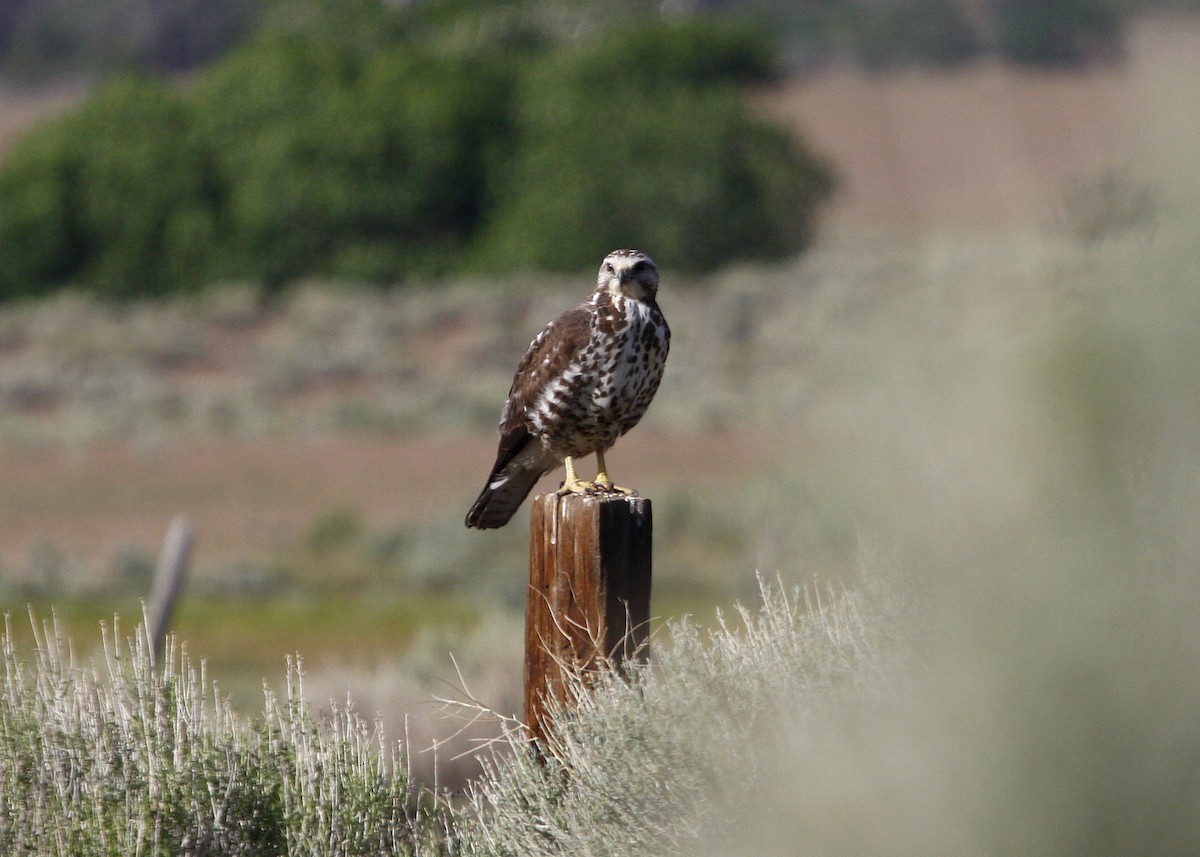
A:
<point x="250" y="497"/>
<point x="988" y="145"/>
<point x="21" y="109"/>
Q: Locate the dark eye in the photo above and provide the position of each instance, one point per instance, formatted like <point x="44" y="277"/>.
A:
<point x="608" y="267"/>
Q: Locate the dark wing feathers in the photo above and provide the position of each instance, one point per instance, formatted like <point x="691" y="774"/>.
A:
<point x="548" y="356"/>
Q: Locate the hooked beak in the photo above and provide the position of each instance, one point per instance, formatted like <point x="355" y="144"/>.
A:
<point x="631" y="287"/>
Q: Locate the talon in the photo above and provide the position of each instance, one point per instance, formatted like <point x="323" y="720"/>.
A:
<point x="607" y="486"/>
<point x="572" y="484"/>
<point x="577" y="486"/>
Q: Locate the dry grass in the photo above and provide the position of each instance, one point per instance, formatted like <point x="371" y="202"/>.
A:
<point x="118" y="755"/>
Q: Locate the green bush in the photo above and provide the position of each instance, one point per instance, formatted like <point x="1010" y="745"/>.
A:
<point x="387" y="149"/>
<point x="642" y="139"/>
<point x="118" y="195"/>
<point x="363" y="168"/>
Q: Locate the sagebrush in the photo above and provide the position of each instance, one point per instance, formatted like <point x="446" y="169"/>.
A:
<point x="113" y="755"/>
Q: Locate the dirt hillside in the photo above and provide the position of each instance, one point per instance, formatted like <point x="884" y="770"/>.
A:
<point x="989" y="145"/>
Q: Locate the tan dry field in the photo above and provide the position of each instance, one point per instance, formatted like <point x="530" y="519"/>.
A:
<point x="989" y="145"/>
<point x="984" y="147"/>
<point x="251" y="497"/>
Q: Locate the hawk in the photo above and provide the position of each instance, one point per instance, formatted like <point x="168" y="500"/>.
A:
<point x="585" y="381"/>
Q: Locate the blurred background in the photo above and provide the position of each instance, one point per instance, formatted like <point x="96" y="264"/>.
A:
<point x="271" y="265"/>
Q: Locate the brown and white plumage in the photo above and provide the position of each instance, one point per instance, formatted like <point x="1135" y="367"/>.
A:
<point x="586" y="380"/>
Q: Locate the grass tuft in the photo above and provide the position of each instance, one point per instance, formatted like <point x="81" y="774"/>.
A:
<point x="118" y="757"/>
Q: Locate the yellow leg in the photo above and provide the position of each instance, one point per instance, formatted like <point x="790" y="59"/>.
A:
<point x="572" y="484"/>
<point x="602" y="480"/>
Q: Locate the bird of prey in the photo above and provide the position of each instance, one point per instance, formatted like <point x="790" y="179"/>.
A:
<point x="585" y="381"/>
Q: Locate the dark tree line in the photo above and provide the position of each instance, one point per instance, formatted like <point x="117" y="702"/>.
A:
<point x="377" y="145"/>
<point x="44" y="39"/>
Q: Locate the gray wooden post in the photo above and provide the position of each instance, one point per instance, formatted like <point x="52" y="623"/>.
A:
<point x="168" y="578"/>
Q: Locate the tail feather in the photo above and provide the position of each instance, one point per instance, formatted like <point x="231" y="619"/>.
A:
<point x="501" y="497"/>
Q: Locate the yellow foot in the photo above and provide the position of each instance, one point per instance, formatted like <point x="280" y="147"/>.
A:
<point x="573" y="484"/>
<point x="576" y="486"/>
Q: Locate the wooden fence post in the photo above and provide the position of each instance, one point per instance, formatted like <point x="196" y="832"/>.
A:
<point x="168" y="578"/>
<point x="589" y="591"/>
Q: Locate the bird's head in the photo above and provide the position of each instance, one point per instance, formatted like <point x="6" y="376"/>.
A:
<point x="629" y="273"/>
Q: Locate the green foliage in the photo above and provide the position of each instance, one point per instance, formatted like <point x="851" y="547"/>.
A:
<point x="118" y="195"/>
<point x="388" y="146"/>
<point x="362" y="167"/>
<point x="642" y="139"/>
<point x="39" y="231"/>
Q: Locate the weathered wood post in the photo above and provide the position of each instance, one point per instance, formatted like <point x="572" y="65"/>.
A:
<point x="168" y="579"/>
<point x="589" y="591"/>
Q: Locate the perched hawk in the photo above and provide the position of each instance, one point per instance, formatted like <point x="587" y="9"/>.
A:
<point x="585" y="381"/>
